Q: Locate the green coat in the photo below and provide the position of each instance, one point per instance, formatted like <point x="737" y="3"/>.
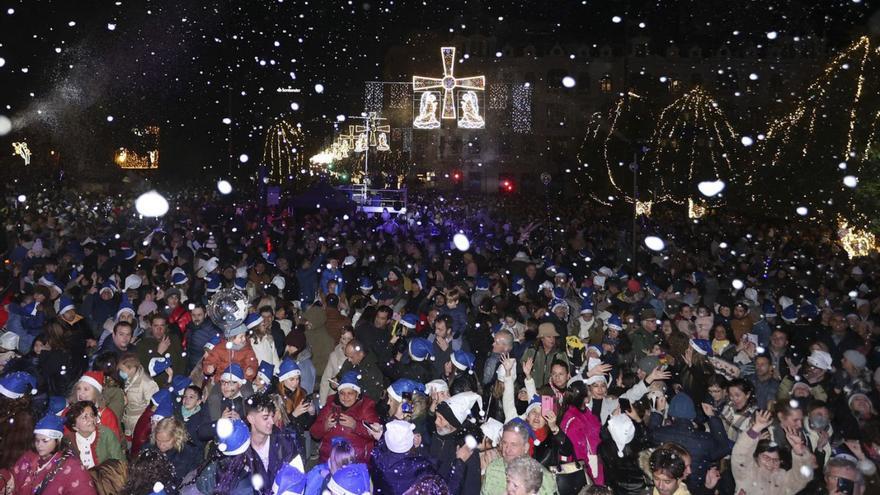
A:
<point x="543" y="363"/>
<point x="114" y="397"/>
<point x="641" y="340"/>
<point x="106" y="445"/>
<point x="495" y="481"/>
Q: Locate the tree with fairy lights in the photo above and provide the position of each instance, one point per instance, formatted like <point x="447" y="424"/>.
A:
<point x="692" y="142"/>
<point x="283" y="153"/>
<point x="818" y="156"/>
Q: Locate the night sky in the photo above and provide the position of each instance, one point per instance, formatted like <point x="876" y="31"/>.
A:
<point x="76" y="75"/>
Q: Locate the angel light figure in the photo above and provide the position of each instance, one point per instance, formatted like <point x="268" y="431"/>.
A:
<point x="427" y="118"/>
<point x="470" y="112"/>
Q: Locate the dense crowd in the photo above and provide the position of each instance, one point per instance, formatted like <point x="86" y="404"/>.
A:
<point x="542" y="356"/>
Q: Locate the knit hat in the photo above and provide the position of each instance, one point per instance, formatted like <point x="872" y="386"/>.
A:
<point x="233" y="373"/>
<point x="158" y="365"/>
<point x="404" y="386"/>
<point x="436" y="386"/>
<point x="820" y="359"/>
<point x="235" y="331"/>
<point x="353" y="479"/>
<point x="409" y="320"/>
<point x="93" y="378"/>
<point x="614" y="322"/>
<point x="172" y="292"/>
<point x="492" y="430"/>
<point x="351" y="380"/>
<point x="50" y="426"/>
<point x="647" y="314"/>
<point x="681" y="406"/>
<point x="127" y="253"/>
<point x="288" y="369"/>
<point x="233" y="436"/>
<point x="252" y="320"/>
<point x="622" y="431"/>
<point x="463" y="360"/>
<point x="648" y="363"/>
<point x="125" y="306"/>
<point x="65" y="304"/>
<point x="854" y="395"/>
<point x="796" y="385"/>
<point x="289" y="481"/>
<point x="702" y="346"/>
<point x="420" y="349"/>
<point x="587" y="306"/>
<point x="855" y="358"/>
<point x="457" y="408"/>
<point x="399" y="436"/>
<point x="265" y="372"/>
<point x="161" y="395"/>
<point x="212" y="342"/>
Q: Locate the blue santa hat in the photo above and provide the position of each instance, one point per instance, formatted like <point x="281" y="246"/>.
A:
<point x="179" y="384"/>
<point x="127" y="254"/>
<point x="49" y="281"/>
<point x="159" y="488"/>
<point x="233" y="373"/>
<point x="614" y="322"/>
<point x="240" y="283"/>
<point x="252" y="320"/>
<point x="17" y="384"/>
<point x="769" y="309"/>
<point x="517" y="288"/>
<point x="789" y="314"/>
<point x="463" y="360"/>
<point x="702" y="346"/>
<point x="50" y="426"/>
<point x="351" y="380"/>
<point x="109" y="285"/>
<point x="212" y="342"/>
<point x="233" y="436"/>
<point x="521" y="423"/>
<point x="65" y="304"/>
<point x="213" y="283"/>
<point x="179" y="278"/>
<point x="558" y="293"/>
<point x="366" y="284"/>
<point x="288" y="369"/>
<point x="587" y="306"/>
<point x="270" y="258"/>
<point x="561" y="272"/>
<point x="409" y="320"/>
<point x="57" y="404"/>
<point x="265" y="372"/>
<point x="125" y="306"/>
<point x="586" y="292"/>
<point x="534" y="403"/>
<point x="353" y="479"/>
<point x="164" y="409"/>
<point x="158" y="365"/>
<point x="166" y="256"/>
<point x="482" y="283"/>
<point x="161" y="395"/>
<point x="404" y="386"/>
<point x="808" y="309"/>
<point x="556" y="302"/>
<point x="420" y="349"/>
<point x="289" y="481"/>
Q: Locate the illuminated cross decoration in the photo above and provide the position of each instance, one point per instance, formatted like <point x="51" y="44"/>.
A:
<point x="449" y="82"/>
<point x="350" y="137"/>
<point x="372" y="127"/>
<point x="21" y="149"/>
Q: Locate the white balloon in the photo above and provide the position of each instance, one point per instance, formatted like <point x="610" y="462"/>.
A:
<point x="654" y="243"/>
<point x="568" y="82"/>
<point x="802" y="211"/>
<point x="711" y="188"/>
<point x="461" y="242"/>
<point x="737" y="284"/>
<point x="151" y="204"/>
<point x="224" y="187"/>
<point x="850" y="181"/>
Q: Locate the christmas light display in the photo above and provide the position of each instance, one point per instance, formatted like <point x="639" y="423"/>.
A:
<point x="145" y="152"/>
<point x="521" y="111"/>
<point x="499" y="96"/>
<point x="643" y="208"/>
<point x="696" y="210"/>
<point x="470" y="112"/>
<point x="427" y="115"/>
<point x="825" y="137"/>
<point x="373" y="96"/>
<point x="21" y="149"/>
<point x="400" y="95"/>
<point x="448" y="83"/>
<point x="373" y="134"/>
<point x="855" y="242"/>
<point x="283" y="150"/>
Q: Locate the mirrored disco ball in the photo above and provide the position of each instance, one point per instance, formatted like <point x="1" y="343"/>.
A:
<point x="228" y="308"/>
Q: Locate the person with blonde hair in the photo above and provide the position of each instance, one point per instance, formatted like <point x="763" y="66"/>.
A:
<point x="109" y="477"/>
<point x="170" y="437"/>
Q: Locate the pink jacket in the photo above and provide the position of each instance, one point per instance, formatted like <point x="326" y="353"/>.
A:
<point x="582" y="428"/>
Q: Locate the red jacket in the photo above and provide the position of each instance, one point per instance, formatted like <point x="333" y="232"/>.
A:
<point x="180" y="316"/>
<point x="142" y="430"/>
<point x="362" y="410"/>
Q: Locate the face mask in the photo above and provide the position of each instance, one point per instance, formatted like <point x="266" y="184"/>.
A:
<point x="123" y="375"/>
<point x="237" y="347"/>
<point x="818" y="422"/>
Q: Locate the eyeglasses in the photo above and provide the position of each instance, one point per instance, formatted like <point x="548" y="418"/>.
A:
<point x="770" y="459"/>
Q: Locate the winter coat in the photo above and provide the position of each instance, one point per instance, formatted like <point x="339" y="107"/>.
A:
<point x="459" y="318"/>
<point x="461" y="477"/>
<point x="220" y="358"/>
<point x="496" y="480"/>
<point x="582" y="428"/>
<point x="320" y="342"/>
<point x="704" y="448"/>
<point x="335" y="323"/>
<point x="76" y="333"/>
<point x="216" y="403"/>
<point x="196" y="338"/>
<point x="394" y="474"/>
<point x="554" y="450"/>
<point x="334" y="364"/>
<point x="361" y="440"/>
<point x="751" y="479"/>
<point x="622" y="473"/>
<point x="265" y="350"/>
<point x="139" y="389"/>
<point x="71" y="477"/>
<point x="543" y="362"/>
<point x="283" y="447"/>
<point x="105" y="446"/>
<point x="194" y="425"/>
<point x="114" y="399"/>
<point x="372" y="380"/>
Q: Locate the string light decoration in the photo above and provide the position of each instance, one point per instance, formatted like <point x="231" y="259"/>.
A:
<point x="826" y="136"/>
<point x="282" y="150"/>
<point x="144" y="154"/>
<point x="521" y="111"/>
<point x="692" y="142"/>
<point x="399" y="95"/>
<point x="696" y="210"/>
<point x="373" y="96"/>
<point x="448" y="84"/>
<point x="21" y="149"/>
<point x="643" y="208"/>
<point x="855" y="242"/>
<point x="378" y="134"/>
<point x="499" y="96"/>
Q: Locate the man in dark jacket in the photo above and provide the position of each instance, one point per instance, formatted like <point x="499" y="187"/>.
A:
<point x="396" y="465"/>
<point x="452" y="458"/>
<point x="199" y="332"/>
<point x="703" y="447"/>
<point x="271" y="447"/>
<point x="372" y="381"/>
